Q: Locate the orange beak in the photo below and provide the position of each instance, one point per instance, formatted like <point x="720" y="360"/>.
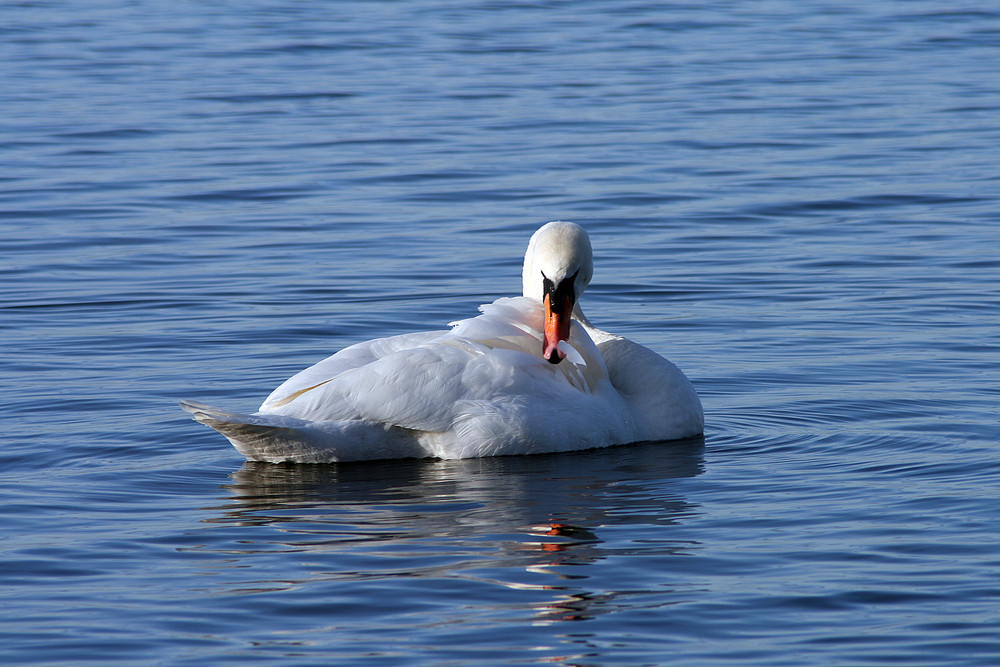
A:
<point x="558" y="311"/>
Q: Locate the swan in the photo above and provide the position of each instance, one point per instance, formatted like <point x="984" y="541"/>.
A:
<point x="530" y="374"/>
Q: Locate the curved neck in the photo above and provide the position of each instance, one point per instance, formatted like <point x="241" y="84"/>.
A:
<point x="578" y="314"/>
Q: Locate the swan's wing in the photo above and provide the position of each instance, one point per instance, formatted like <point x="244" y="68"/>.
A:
<point x="421" y="381"/>
<point x="349" y="359"/>
<point x="416" y="388"/>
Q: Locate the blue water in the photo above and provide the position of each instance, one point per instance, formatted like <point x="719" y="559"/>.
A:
<point x="796" y="202"/>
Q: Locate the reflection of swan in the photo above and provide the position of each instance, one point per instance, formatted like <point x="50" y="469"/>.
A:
<point x="532" y="495"/>
<point x="492" y="385"/>
<point x="546" y="538"/>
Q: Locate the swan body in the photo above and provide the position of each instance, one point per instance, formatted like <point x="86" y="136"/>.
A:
<point x="530" y="374"/>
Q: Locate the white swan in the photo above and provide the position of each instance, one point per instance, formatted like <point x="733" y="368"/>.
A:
<point x="528" y="375"/>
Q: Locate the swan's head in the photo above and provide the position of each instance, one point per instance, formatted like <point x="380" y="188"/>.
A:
<point x="558" y="266"/>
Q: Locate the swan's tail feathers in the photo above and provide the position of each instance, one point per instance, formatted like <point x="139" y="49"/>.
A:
<point x="253" y="437"/>
<point x="277" y="439"/>
<point x="207" y="413"/>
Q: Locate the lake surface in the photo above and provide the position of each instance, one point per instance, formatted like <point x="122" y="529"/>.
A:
<point x="796" y="202"/>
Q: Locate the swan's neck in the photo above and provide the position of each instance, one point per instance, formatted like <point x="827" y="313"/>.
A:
<point x="596" y="335"/>
<point x="578" y="314"/>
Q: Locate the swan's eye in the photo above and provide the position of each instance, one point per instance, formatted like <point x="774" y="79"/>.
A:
<point x="548" y="287"/>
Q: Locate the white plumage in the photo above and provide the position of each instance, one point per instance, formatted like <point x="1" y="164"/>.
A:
<point x="482" y="388"/>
